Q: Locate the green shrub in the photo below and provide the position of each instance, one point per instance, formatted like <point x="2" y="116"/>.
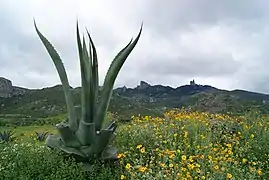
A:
<point x="6" y="136"/>
<point x="41" y="136"/>
<point x="29" y="161"/>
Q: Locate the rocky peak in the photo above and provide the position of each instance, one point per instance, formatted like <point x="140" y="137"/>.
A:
<point x="6" y="89"/>
<point x="143" y="85"/>
<point x="192" y="83"/>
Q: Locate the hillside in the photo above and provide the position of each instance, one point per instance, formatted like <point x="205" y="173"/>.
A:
<point x="145" y="99"/>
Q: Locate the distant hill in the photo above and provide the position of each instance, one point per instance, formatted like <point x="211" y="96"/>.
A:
<point x="8" y="90"/>
<point x="145" y="99"/>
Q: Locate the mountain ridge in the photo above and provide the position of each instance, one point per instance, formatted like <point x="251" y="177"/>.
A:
<point x="142" y="84"/>
<point x="144" y="99"/>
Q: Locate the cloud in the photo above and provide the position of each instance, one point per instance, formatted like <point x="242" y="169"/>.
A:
<point x="221" y="43"/>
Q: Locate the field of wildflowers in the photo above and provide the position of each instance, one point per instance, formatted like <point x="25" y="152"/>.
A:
<point x="182" y="145"/>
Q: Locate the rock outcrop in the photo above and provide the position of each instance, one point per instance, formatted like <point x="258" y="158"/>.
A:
<point x="143" y="85"/>
<point x="7" y="90"/>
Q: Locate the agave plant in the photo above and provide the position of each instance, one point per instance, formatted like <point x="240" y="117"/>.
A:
<point x="6" y="136"/>
<point x="41" y="136"/>
<point x="83" y="134"/>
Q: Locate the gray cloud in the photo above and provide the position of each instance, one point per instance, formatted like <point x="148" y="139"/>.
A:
<point x="221" y="43"/>
<point x="196" y="65"/>
<point x="167" y="17"/>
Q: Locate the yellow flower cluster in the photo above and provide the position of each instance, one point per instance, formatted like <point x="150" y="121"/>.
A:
<point x="193" y="145"/>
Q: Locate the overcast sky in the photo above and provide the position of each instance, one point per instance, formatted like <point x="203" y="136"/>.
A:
<point x="223" y="43"/>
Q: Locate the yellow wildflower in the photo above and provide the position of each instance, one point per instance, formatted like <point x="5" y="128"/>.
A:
<point x="122" y="177"/>
<point x="259" y="171"/>
<point x="229" y="176"/>
<point x="186" y="134"/>
<point x="142" y="169"/>
<point x="128" y="166"/>
<point x="183" y="157"/>
<point x="121" y="155"/>
<point x="191" y="166"/>
<point x="172" y="156"/>
<point x="244" y="160"/>
<point x="163" y="165"/>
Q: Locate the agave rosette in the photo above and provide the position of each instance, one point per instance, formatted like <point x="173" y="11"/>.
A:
<point x="83" y="134"/>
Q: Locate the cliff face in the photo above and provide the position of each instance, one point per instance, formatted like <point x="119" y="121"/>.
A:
<point x="7" y="90"/>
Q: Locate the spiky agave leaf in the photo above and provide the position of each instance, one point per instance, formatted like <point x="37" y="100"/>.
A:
<point x="89" y="101"/>
<point x="110" y="153"/>
<point x="6" y="136"/>
<point x="55" y="141"/>
<point x="63" y="77"/>
<point x="78" y="112"/>
<point x="86" y="131"/>
<point x="104" y="138"/>
<point x="85" y="76"/>
<point x="67" y="136"/>
<point x="95" y="75"/>
<point x="110" y="80"/>
<point x="41" y="136"/>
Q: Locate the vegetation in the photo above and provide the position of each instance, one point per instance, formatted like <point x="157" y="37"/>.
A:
<point x="182" y="145"/>
<point x="39" y="106"/>
<point x="179" y="144"/>
<point x="41" y="136"/>
<point x="83" y="135"/>
<point x="6" y="136"/>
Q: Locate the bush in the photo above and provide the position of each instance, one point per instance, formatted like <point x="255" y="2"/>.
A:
<point x="29" y="161"/>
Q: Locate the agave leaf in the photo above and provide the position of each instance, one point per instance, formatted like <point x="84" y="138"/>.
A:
<point x="87" y="150"/>
<point x="112" y="137"/>
<point x="67" y="135"/>
<point x="6" y="136"/>
<point x="86" y="133"/>
<point x="95" y="76"/>
<point x="78" y="112"/>
<point x="84" y="69"/>
<point x="80" y="51"/>
<point x="63" y="77"/>
<point x="72" y="150"/>
<point x="110" y="80"/>
<point x="102" y="140"/>
<point x="54" y="141"/>
<point x="111" y="126"/>
<point x="110" y="153"/>
<point x="89" y="101"/>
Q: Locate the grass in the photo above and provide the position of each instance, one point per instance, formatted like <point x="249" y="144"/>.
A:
<point x="182" y="145"/>
<point x="27" y="133"/>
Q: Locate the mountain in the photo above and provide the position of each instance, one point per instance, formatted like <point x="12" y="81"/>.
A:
<point x="7" y="90"/>
<point x="145" y="99"/>
<point x="198" y="97"/>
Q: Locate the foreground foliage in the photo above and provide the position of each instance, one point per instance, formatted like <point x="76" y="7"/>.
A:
<point x="183" y="145"/>
<point x="6" y="136"/>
